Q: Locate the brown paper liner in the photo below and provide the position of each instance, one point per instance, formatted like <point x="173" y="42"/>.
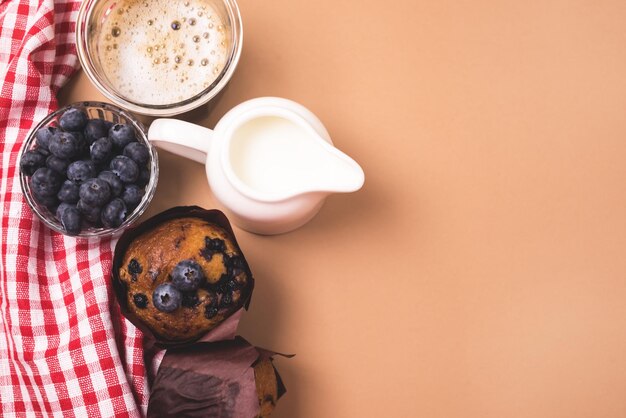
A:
<point x="214" y="380"/>
<point x="225" y="330"/>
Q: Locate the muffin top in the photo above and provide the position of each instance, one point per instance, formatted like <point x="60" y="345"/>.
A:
<point x="184" y="277"/>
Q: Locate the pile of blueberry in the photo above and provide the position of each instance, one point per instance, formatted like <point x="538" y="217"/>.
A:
<point x="89" y="172"/>
<point x="187" y="277"/>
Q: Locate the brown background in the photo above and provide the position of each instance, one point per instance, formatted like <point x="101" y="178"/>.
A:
<point x="480" y="272"/>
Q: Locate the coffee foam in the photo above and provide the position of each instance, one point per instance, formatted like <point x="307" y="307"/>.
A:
<point x="159" y="52"/>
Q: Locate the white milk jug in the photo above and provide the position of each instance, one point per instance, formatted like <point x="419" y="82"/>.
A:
<point x="269" y="161"/>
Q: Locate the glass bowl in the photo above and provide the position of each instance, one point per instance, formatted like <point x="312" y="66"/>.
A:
<point x="95" y="110"/>
<point x="92" y="17"/>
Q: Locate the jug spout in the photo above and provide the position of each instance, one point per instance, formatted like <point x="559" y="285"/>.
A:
<point x="337" y="173"/>
<point x="348" y="179"/>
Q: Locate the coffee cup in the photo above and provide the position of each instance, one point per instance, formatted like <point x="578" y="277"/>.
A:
<point x="269" y="161"/>
<point x="157" y="57"/>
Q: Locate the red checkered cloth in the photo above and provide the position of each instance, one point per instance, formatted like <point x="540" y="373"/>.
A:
<point x="64" y="348"/>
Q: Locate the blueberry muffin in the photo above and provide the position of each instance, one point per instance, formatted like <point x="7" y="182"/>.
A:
<point x="184" y="277"/>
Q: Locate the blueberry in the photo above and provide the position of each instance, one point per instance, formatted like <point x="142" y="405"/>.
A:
<point x="48" y="201"/>
<point x="125" y="168"/>
<point x="210" y="311"/>
<point x="144" y="177"/>
<point x="134" y="267"/>
<point x="190" y="300"/>
<point x="206" y="253"/>
<point x="45" y="182"/>
<point x="132" y="196"/>
<point x="137" y="152"/>
<point x="73" y="120"/>
<point x="234" y="265"/>
<point x="122" y="135"/>
<point x="57" y="164"/>
<point x="140" y="300"/>
<point x="95" y="129"/>
<point x="187" y="275"/>
<point x="62" y="208"/>
<point x="40" y="150"/>
<point x="236" y="262"/>
<point x="82" y="144"/>
<point x="212" y="246"/>
<point x="215" y="244"/>
<point x="114" y="182"/>
<point x="68" y="192"/>
<point x="95" y="192"/>
<point x="43" y="135"/>
<point x="90" y="213"/>
<point x="70" y="220"/>
<point x="31" y="161"/>
<point x="81" y="170"/>
<point x="64" y="145"/>
<point x="101" y="150"/>
<point x="114" y="213"/>
<point x="166" y="298"/>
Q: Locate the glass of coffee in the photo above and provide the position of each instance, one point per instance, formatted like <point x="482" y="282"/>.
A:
<point x="159" y="57"/>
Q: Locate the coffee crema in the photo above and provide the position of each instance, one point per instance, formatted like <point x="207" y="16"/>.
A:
<point x="158" y="52"/>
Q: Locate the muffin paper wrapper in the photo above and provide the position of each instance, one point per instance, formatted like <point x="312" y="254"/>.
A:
<point x="209" y="380"/>
<point x="225" y="330"/>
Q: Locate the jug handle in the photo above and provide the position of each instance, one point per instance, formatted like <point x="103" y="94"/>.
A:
<point x="181" y="138"/>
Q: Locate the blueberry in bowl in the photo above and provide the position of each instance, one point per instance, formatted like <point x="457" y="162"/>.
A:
<point x="88" y="170"/>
